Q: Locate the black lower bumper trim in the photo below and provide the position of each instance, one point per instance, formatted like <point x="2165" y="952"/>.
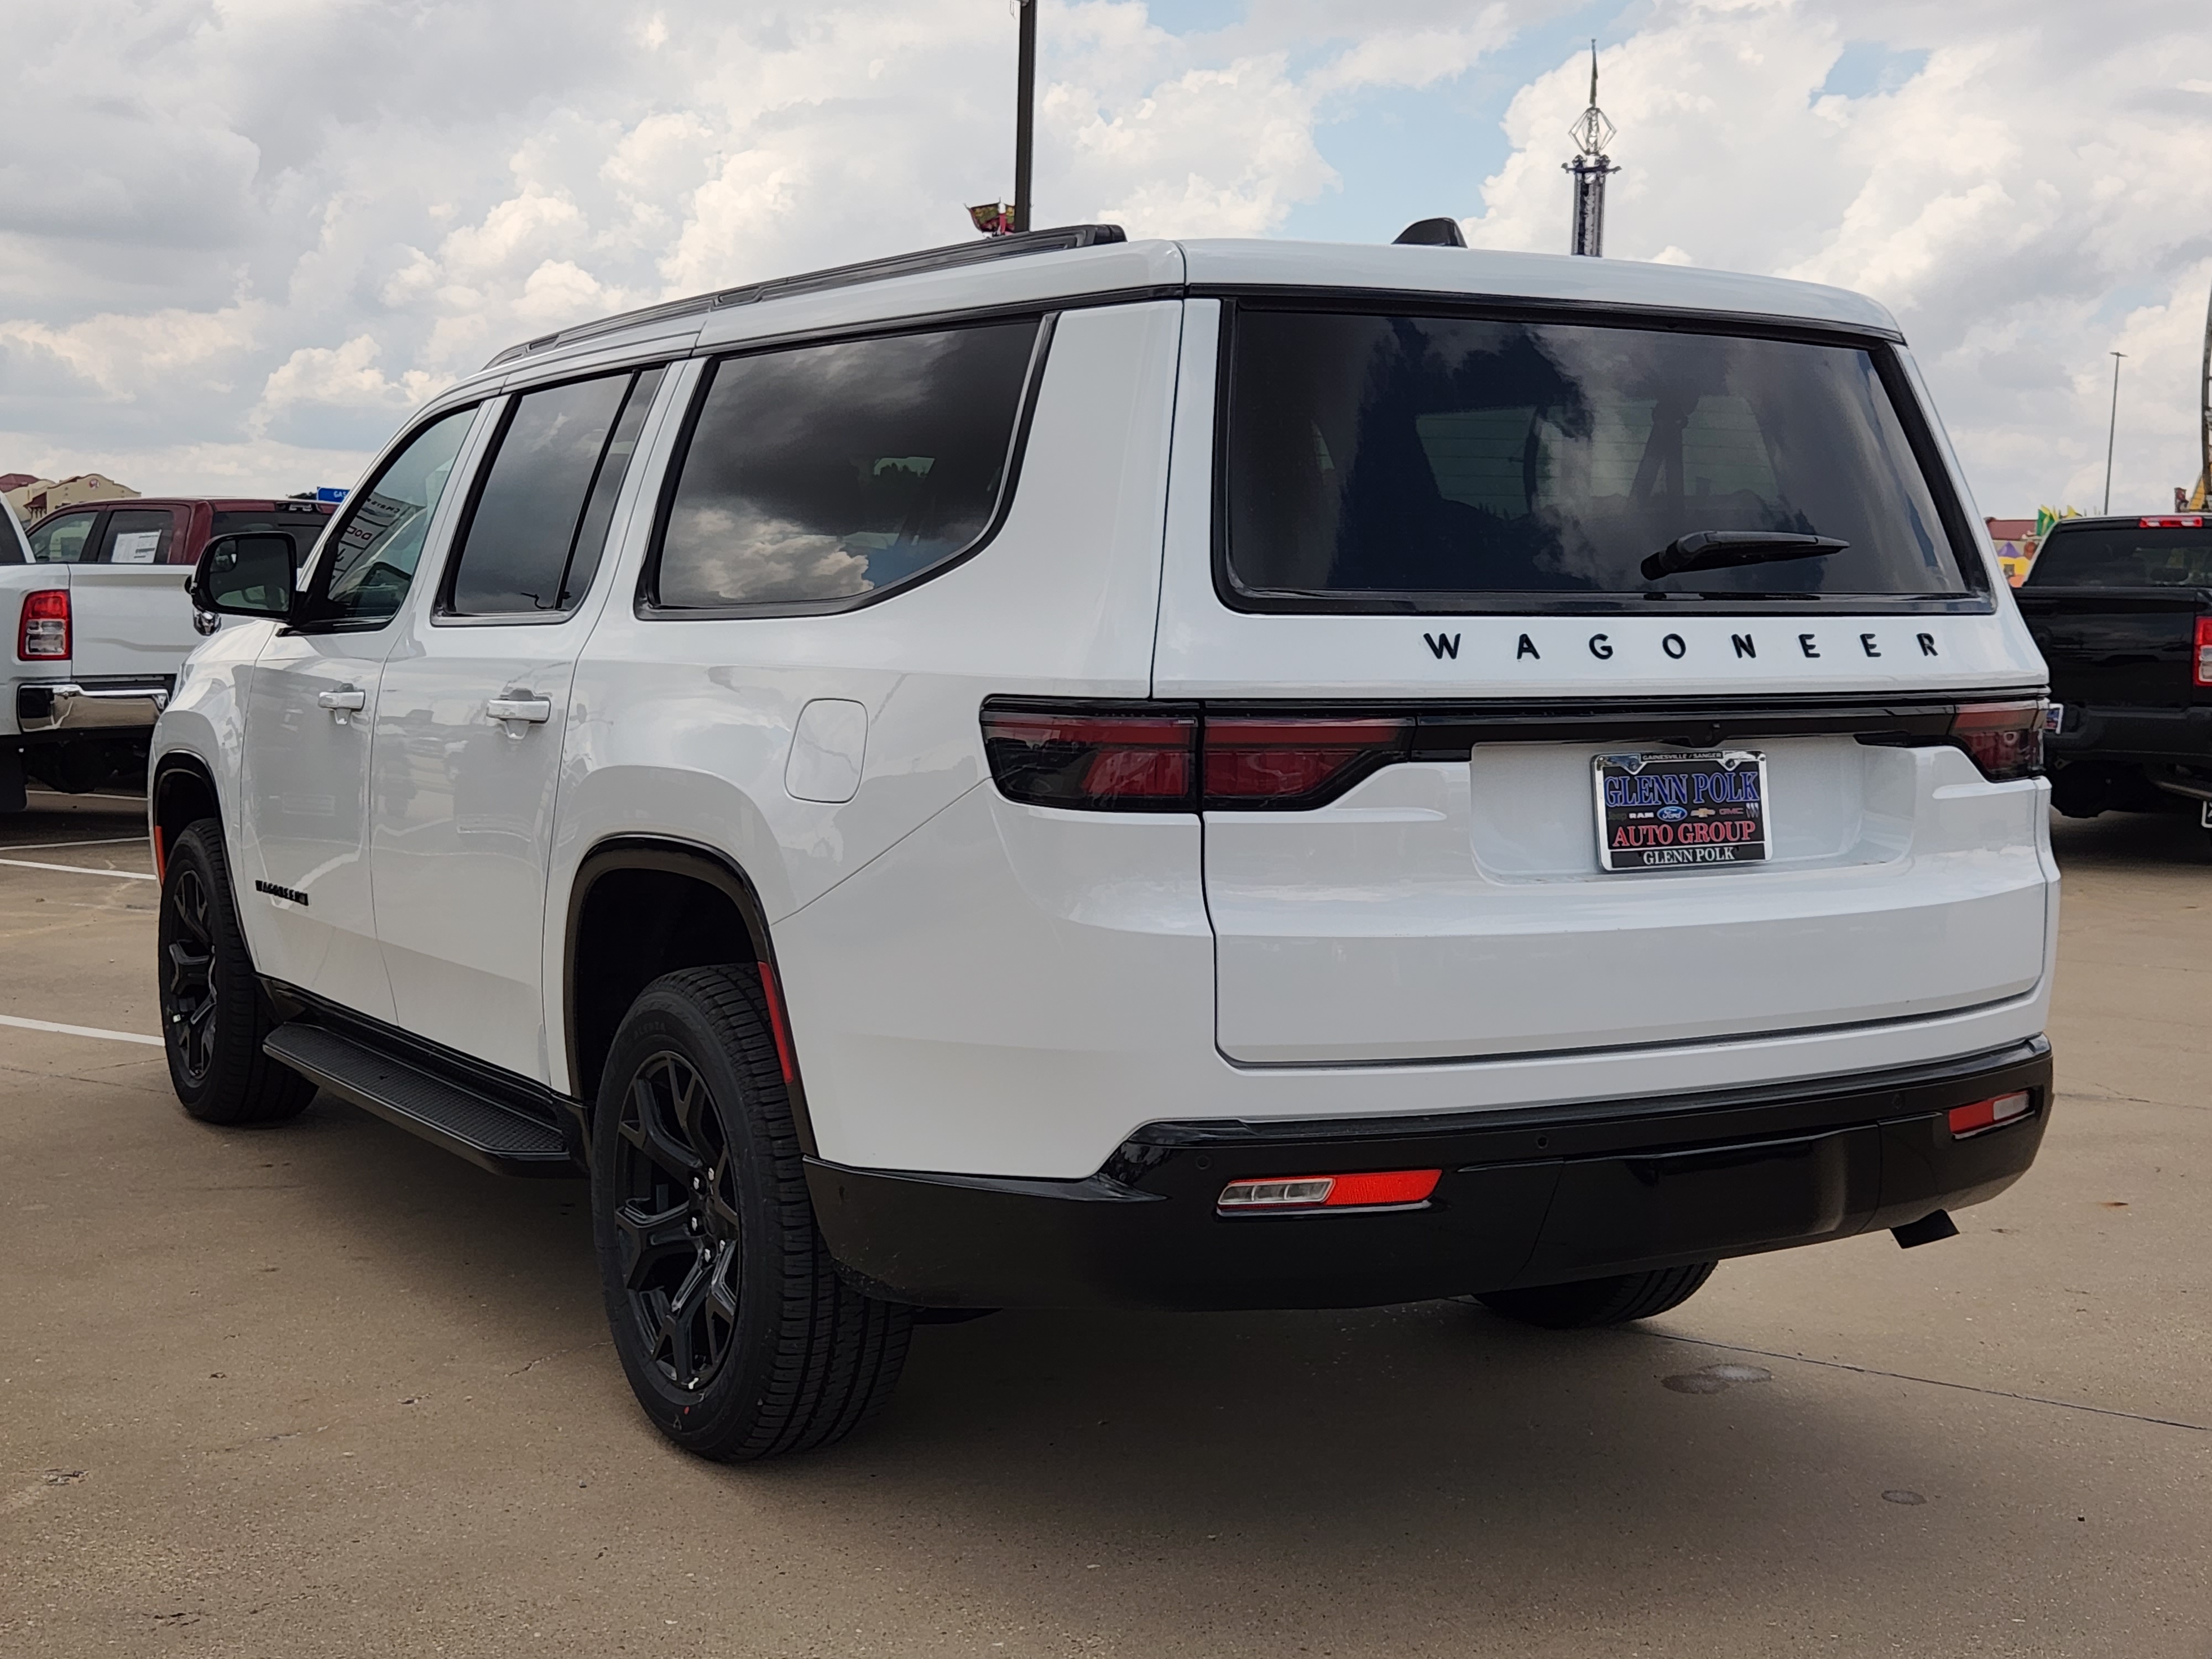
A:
<point x="1527" y="1197"/>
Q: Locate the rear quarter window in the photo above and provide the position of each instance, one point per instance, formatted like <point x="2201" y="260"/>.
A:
<point x="1403" y="461"/>
<point x="823" y="475"/>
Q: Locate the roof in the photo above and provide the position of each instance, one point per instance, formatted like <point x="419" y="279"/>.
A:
<point x="1558" y="278"/>
<point x="2010" y="529"/>
<point x="1094" y="261"/>
<point x="219" y="503"/>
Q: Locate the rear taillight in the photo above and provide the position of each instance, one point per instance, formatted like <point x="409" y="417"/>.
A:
<point x="44" y="634"/>
<point x="1176" y="760"/>
<point x="1989" y="1113"/>
<point x="2005" y="739"/>
<point x="1101" y="761"/>
<point x="2172" y="522"/>
<point x="1253" y="760"/>
<point x="1374" y="1190"/>
<point x="2200" y="662"/>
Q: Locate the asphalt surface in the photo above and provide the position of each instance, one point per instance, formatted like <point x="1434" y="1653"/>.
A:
<point x="323" y="1389"/>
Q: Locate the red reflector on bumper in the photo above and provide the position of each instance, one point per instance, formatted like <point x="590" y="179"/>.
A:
<point x="1368" y="1190"/>
<point x="1988" y="1114"/>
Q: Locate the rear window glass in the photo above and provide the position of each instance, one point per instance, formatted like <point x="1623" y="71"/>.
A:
<point x="834" y="472"/>
<point x="299" y="519"/>
<point x="1389" y="458"/>
<point x="302" y="521"/>
<point x="2122" y="557"/>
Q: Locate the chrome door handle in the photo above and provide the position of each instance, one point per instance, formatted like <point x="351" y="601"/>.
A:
<point x="536" y="710"/>
<point x="348" y="699"/>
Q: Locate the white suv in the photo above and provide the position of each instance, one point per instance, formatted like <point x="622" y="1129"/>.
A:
<point x="1073" y="772"/>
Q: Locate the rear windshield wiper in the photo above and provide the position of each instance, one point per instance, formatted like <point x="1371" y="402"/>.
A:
<point x="1713" y="550"/>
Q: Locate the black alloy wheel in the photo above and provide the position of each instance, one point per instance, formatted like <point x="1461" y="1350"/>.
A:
<point x="214" y="1014"/>
<point x="740" y="1338"/>
<point x="675" y="1220"/>
<point x="189" y="993"/>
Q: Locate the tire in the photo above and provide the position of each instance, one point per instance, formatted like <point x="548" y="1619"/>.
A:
<point x="1592" y="1302"/>
<point x="214" y="1013"/>
<point x="739" y="1337"/>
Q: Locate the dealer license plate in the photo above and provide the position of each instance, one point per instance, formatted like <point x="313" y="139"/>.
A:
<point x="1681" y="812"/>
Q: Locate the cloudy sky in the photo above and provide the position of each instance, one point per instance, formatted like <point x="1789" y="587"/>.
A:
<point x="240" y="238"/>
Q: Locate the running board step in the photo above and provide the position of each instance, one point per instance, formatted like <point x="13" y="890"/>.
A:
<point x="481" y="1129"/>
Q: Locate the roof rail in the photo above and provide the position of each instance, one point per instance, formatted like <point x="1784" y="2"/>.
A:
<point x="867" y="271"/>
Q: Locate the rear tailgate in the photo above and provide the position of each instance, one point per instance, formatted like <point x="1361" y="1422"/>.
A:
<point x="2120" y="648"/>
<point x="2116" y="607"/>
<point x="1453" y="902"/>
<point x="130" y="621"/>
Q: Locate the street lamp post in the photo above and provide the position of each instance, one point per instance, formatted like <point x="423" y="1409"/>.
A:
<point x="2112" y="432"/>
<point x="1024" y="113"/>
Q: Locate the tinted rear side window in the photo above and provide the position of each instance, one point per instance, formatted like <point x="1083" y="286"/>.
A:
<point x="1387" y="458"/>
<point x="2121" y="556"/>
<point x="137" y="536"/>
<point x="540" y="521"/>
<point x="834" y="472"/>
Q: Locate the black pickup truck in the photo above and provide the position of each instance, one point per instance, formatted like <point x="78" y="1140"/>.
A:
<point x="2123" y="610"/>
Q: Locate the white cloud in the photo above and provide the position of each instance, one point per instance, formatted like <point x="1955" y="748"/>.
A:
<point x="225" y="260"/>
<point x="347" y="378"/>
<point x="2021" y="202"/>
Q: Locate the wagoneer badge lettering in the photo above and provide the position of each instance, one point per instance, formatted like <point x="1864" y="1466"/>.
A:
<point x="1677" y="648"/>
<point x="291" y="895"/>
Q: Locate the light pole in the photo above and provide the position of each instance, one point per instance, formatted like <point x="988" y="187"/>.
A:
<point x="1024" y="113"/>
<point x="2112" y="432"/>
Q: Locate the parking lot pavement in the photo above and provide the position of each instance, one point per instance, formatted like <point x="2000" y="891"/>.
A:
<point x="322" y="1389"/>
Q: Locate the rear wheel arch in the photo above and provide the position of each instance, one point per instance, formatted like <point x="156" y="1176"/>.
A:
<point x="643" y="906"/>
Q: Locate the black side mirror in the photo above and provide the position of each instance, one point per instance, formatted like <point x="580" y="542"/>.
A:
<point x="246" y="576"/>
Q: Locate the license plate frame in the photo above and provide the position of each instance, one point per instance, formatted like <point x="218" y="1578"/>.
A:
<point x="1673" y="822"/>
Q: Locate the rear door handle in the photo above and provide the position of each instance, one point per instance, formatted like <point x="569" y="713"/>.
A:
<point x="536" y="710"/>
<point x="348" y="700"/>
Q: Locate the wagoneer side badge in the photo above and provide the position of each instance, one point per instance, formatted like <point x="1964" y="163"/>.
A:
<point x="270" y="888"/>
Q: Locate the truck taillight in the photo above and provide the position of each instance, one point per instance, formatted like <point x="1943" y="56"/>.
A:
<point x="2005" y="740"/>
<point x="2200" y="663"/>
<point x="1165" y="759"/>
<point x="44" y="634"/>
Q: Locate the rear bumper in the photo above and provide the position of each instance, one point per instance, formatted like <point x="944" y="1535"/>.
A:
<point x="97" y="706"/>
<point x="1527" y="1197"/>
<point x="2132" y="734"/>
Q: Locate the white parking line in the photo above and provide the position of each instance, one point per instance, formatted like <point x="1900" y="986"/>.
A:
<point x="77" y="870"/>
<point x="77" y="1031"/>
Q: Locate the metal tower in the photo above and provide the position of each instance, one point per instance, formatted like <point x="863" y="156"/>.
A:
<point x="1591" y="167"/>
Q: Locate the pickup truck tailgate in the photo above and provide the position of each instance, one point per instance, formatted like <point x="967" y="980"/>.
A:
<point x="129" y="620"/>
<point x="2117" y="646"/>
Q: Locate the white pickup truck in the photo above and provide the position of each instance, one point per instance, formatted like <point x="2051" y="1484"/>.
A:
<point x="95" y="598"/>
